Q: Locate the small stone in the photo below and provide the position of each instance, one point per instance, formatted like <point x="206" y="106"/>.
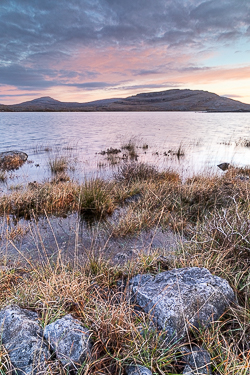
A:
<point x="223" y="166"/>
<point x="242" y="178"/>
<point x="69" y="340"/>
<point x="198" y="361"/>
<point x="137" y="370"/>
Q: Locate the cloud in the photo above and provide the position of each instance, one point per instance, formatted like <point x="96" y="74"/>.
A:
<point x="30" y="29"/>
<point x="17" y="95"/>
<point x="232" y="96"/>
<point x="29" y="79"/>
<point x="21" y="77"/>
<point x="44" y="44"/>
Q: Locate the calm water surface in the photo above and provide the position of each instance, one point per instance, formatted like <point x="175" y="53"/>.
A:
<point x="206" y="138"/>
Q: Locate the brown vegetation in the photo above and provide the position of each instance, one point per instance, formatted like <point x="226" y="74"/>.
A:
<point x="213" y="214"/>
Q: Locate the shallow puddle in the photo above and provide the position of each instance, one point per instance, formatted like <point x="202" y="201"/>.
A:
<point x="72" y="238"/>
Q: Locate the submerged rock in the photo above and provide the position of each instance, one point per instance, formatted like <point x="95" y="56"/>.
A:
<point x="23" y="339"/>
<point x="137" y="370"/>
<point x="69" y="340"/>
<point x="182" y="298"/>
<point x="11" y="160"/>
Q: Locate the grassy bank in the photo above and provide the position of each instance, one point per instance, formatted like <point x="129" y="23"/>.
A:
<point x="213" y="215"/>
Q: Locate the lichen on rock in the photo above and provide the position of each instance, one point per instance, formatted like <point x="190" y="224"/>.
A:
<point x="182" y="298"/>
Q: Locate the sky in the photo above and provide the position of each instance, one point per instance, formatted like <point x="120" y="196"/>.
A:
<point x="84" y="50"/>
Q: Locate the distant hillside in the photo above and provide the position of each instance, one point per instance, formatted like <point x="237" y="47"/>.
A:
<point x="169" y="100"/>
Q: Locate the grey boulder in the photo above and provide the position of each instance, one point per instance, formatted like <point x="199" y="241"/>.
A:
<point x="181" y="298"/>
<point x="69" y="340"/>
<point x="137" y="370"/>
<point x="23" y="339"/>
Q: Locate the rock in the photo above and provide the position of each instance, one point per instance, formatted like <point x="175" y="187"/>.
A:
<point x="22" y="337"/>
<point x="198" y="362"/>
<point x="242" y="178"/>
<point x="188" y="371"/>
<point x="133" y="198"/>
<point x="69" y="340"/>
<point x="11" y="160"/>
<point x="182" y="298"/>
<point x="223" y="166"/>
<point x="137" y="370"/>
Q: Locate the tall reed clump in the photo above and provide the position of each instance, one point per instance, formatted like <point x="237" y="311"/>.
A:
<point x="3" y="176"/>
<point x="58" y="164"/>
<point x="95" y="197"/>
<point x="130" y="146"/>
<point x="59" y="198"/>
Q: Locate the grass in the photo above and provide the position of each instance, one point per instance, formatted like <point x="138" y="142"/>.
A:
<point x="121" y="336"/>
<point x="3" y="176"/>
<point x="212" y="213"/>
<point x="243" y="142"/>
<point x="58" y="164"/>
<point x="130" y="146"/>
<point x="95" y="197"/>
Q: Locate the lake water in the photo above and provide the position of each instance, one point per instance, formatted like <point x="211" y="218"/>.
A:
<point x="207" y="139"/>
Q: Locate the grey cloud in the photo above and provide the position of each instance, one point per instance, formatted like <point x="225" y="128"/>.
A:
<point x="193" y="68"/>
<point x="37" y="35"/>
<point x="229" y="36"/>
<point x="17" y="95"/>
<point x="47" y="26"/>
<point x="92" y="85"/>
<point x="146" y="72"/>
<point x="165" y="86"/>
<point x="23" y="78"/>
<point x="232" y="96"/>
<point x="222" y="16"/>
<point x="29" y="79"/>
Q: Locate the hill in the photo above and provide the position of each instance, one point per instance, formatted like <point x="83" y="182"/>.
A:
<point x="169" y="100"/>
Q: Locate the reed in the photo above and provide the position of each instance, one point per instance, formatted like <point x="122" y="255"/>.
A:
<point x="58" y="164"/>
<point x="3" y="176"/>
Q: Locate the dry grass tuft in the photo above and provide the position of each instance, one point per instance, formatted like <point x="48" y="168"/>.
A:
<point x="5" y="364"/>
<point x="3" y="176"/>
<point x="96" y="197"/>
<point x="138" y="172"/>
<point x="58" y="164"/>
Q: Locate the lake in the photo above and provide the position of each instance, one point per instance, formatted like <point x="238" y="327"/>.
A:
<point x="206" y="139"/>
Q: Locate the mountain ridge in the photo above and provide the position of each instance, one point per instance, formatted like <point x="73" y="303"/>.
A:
<point x="167" y="100"/>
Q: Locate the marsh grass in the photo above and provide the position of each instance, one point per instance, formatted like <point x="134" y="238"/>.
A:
<point x="95" y="293"/>
<point x="3" y="176"/>
<point x="243" y="142"/>
<point x="96" y="197"/>
<point x="58" y="164"/>
<point x="5" y="364"/>
<point x="212" y="213"/>
<point x="135" y="172"/>
<point x="131" y="146"/>
<point x="42" y="148"/>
